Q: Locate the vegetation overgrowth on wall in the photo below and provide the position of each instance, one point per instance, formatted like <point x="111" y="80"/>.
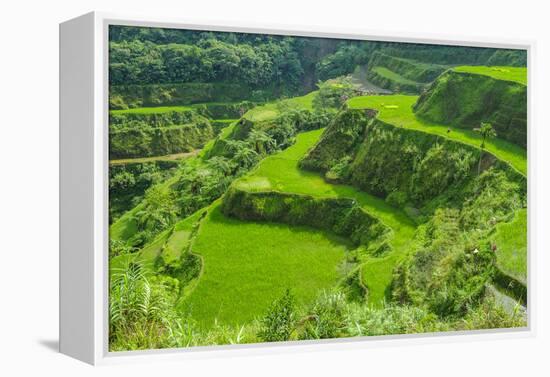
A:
<point x="491" y="98"/>
<point x="260" y="192"/>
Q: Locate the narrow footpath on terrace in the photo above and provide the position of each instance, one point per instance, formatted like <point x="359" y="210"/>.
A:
<point x="281" y="172"/>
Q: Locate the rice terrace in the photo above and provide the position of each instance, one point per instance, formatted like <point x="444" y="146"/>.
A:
<point x="267" y="188"/>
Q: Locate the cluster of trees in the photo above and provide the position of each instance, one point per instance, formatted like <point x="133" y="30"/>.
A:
<point x="128" y="183"/>
<point x="344" y="60"/>
<point x="285" y="64"/>
<point x="279" y="64"/>
<point x="139" y="62"/>
<point x="334" y="94"/>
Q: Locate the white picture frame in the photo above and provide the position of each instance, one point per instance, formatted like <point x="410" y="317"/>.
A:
<point x="84" y="192"/>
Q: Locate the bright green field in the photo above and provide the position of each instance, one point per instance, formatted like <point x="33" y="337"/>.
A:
<point x="270" y="111"/>
<point x="511" y="241"/>
<point x="280" y="172"/>
<point x="248" y="265"/>
<point x="397" y="110"/>
<point x="384" y="72"/>
<point x="516" y="74"/>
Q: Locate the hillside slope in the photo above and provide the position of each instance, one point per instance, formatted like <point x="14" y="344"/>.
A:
<point x="466" y="97"/>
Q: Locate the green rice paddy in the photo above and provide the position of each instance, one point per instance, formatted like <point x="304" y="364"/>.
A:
<point x="515" y="74"/>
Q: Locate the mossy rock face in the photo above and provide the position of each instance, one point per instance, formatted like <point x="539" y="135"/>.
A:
<point x="341" y="216"/>
<point x="465" y="100"/>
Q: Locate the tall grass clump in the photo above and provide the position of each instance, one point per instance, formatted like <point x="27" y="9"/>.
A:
<point x="278" y="324"/>
<point x="140" y="309"/>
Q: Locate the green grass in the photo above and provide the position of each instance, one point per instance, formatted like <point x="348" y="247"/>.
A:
<point x="248" y="265"/>
<point x="281" y="172"/>
<point x="140" y="160"/>
<point x="270" y="110"/>
<point x="511" y="241"/>
<point x="125" y="226"/>
<point x="152" y="110"/>
<point x="395" y="77"/>
<point x="397" y="110"/>
<point x="515" y="74"/>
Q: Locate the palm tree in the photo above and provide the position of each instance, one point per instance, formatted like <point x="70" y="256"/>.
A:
<point x="246" y="157"/>
<point x="261" y="141"/>
<point x="221" y="164"/>
<point x="486" y="131"/>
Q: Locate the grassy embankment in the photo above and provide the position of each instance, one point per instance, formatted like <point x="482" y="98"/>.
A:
<point x="240" y="256"/>
<point x="397" y="110"/>
<point x="511" y="239"/>
<point x="395" y="77"/>
<point x="515" y="74"/>
<point x="281" y="173"/>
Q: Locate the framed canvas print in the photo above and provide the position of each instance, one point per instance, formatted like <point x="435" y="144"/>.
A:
<point x="231" y="189"/>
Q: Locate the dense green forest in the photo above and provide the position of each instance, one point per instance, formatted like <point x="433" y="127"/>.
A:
<point x="269" y="188"/>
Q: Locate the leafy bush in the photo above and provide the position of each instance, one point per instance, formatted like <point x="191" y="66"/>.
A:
<point x="392" y="320"/>
<point x="117" y="248"/>
<point x="334" y="93"/>
<point x="128" y="183"/>
<point x="491" y="198"/>
<point x="344" y="60"/>
<point x="140" y="309"/>
<point x="448" y="272"/>
<point x="158" y="213"/>
<point x="327" y="317"/>
<point x="278" y="324"/>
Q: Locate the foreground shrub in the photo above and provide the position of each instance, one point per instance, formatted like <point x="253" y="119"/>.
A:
<point x="278" y="324"/>
<point x="140" y="309"/>
<point x="448" y="271"/>
<point x="327" y="317"/>
<point x="392" y="320"/>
